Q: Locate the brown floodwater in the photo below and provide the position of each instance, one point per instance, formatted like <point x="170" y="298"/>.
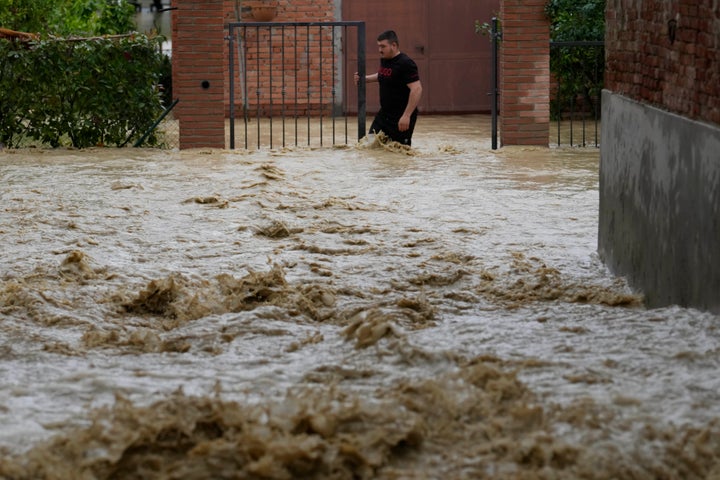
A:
<point x="338" y="312"/>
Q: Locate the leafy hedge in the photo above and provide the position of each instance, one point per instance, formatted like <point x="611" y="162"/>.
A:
<point x="83" y="93"/>
<point x="579" y="71"/>
<point x="68" y="17"/>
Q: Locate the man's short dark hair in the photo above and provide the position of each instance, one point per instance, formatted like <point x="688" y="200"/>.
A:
<point x="390" y="36"/>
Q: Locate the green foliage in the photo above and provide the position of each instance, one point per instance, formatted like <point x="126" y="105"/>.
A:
<point x="574" y="20"/>
<point x="578" y="70"/>
<point x="87" y="93"/>
<point x="25" y="15"/>
<point x="68" y="17"/>
<point x="485" y="29"/>
<point x="166" y="81"/>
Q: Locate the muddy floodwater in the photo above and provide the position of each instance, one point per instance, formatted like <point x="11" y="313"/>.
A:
<point x="338" y="312"/>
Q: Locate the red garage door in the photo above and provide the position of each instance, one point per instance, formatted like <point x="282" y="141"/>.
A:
<point x="453" y="60"/>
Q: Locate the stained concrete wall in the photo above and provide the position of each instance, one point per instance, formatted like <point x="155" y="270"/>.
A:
<point x="660" y="203"/>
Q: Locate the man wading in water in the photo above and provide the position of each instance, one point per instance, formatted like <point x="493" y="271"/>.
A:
<point x="400" y="90"/>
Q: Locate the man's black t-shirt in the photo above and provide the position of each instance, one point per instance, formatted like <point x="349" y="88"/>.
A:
<point x="393" y="77"/>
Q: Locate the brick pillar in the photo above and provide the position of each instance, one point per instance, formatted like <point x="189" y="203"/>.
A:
<point x="524" y="73"/>
<point x="198" y="72"/>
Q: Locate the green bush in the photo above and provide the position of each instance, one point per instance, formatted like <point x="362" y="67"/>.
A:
<point x="82" y="93"/>
<point x="572" y="20"/>
<point x="579" y="71"/>
<point x="68" y="17"/>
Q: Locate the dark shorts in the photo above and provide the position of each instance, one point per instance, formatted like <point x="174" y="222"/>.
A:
<point x="389" y="126"/>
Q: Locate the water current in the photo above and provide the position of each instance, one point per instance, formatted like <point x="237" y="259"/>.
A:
<point x="355" y="312"/>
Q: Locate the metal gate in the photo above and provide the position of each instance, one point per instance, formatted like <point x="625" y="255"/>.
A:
<point x="578" y="73"/>
<point x="287" y="78"/>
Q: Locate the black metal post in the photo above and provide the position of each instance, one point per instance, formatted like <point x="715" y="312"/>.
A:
<point x="345" y="106"/>
<point x="361" y="84"/>
<point x="307" y="57"/>
<point x="257" y="77"/>
<point x="559" y="101"/>
<point x="296" y="84"/>
<point x="270" y="80"/>
<point x="495" y="41"/>
<point x="597" y="102"/>
<point x="322" y="72"/>
<point x="572" y="116"/>
<point x="332" y="106"/>
<point x="245" y="94"/>
<point x="282" y="55"/>
<point x="231" y="72"/>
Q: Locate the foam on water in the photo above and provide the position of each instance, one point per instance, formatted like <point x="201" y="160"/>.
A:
<point x="364" y="312"/>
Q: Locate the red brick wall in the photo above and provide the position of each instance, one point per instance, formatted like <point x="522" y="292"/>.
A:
<point x="524" y="73"/>
<point x="200" y="64"/>
<point x="270" y="72"/>
<point x="200" y="53"/>
<point x="198" y="72"/>
<point x="644" y="64"/>
<point x="306" y="10"/>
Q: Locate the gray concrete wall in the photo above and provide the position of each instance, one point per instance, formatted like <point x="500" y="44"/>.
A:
<point x="660" y="203"/>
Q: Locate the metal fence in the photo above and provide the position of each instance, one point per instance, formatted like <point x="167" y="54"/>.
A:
<point x="289" y="78"/>
<point x="577" y="74"/>
<point x="577" y="70"/>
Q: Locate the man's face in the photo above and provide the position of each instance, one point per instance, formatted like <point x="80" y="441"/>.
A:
<point x="387" y="50"/>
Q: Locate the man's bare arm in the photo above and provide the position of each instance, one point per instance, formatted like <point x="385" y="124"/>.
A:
<point x="413" y="102"/>
<point x="368" y="78"/>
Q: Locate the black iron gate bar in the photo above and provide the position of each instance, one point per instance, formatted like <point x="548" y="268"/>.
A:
<point x="495" y="37"/>
<point x="361" y="107"/>
<point x="579" y="44"/>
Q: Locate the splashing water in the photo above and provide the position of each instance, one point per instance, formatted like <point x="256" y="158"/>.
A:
<point x="435" y="312"/>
